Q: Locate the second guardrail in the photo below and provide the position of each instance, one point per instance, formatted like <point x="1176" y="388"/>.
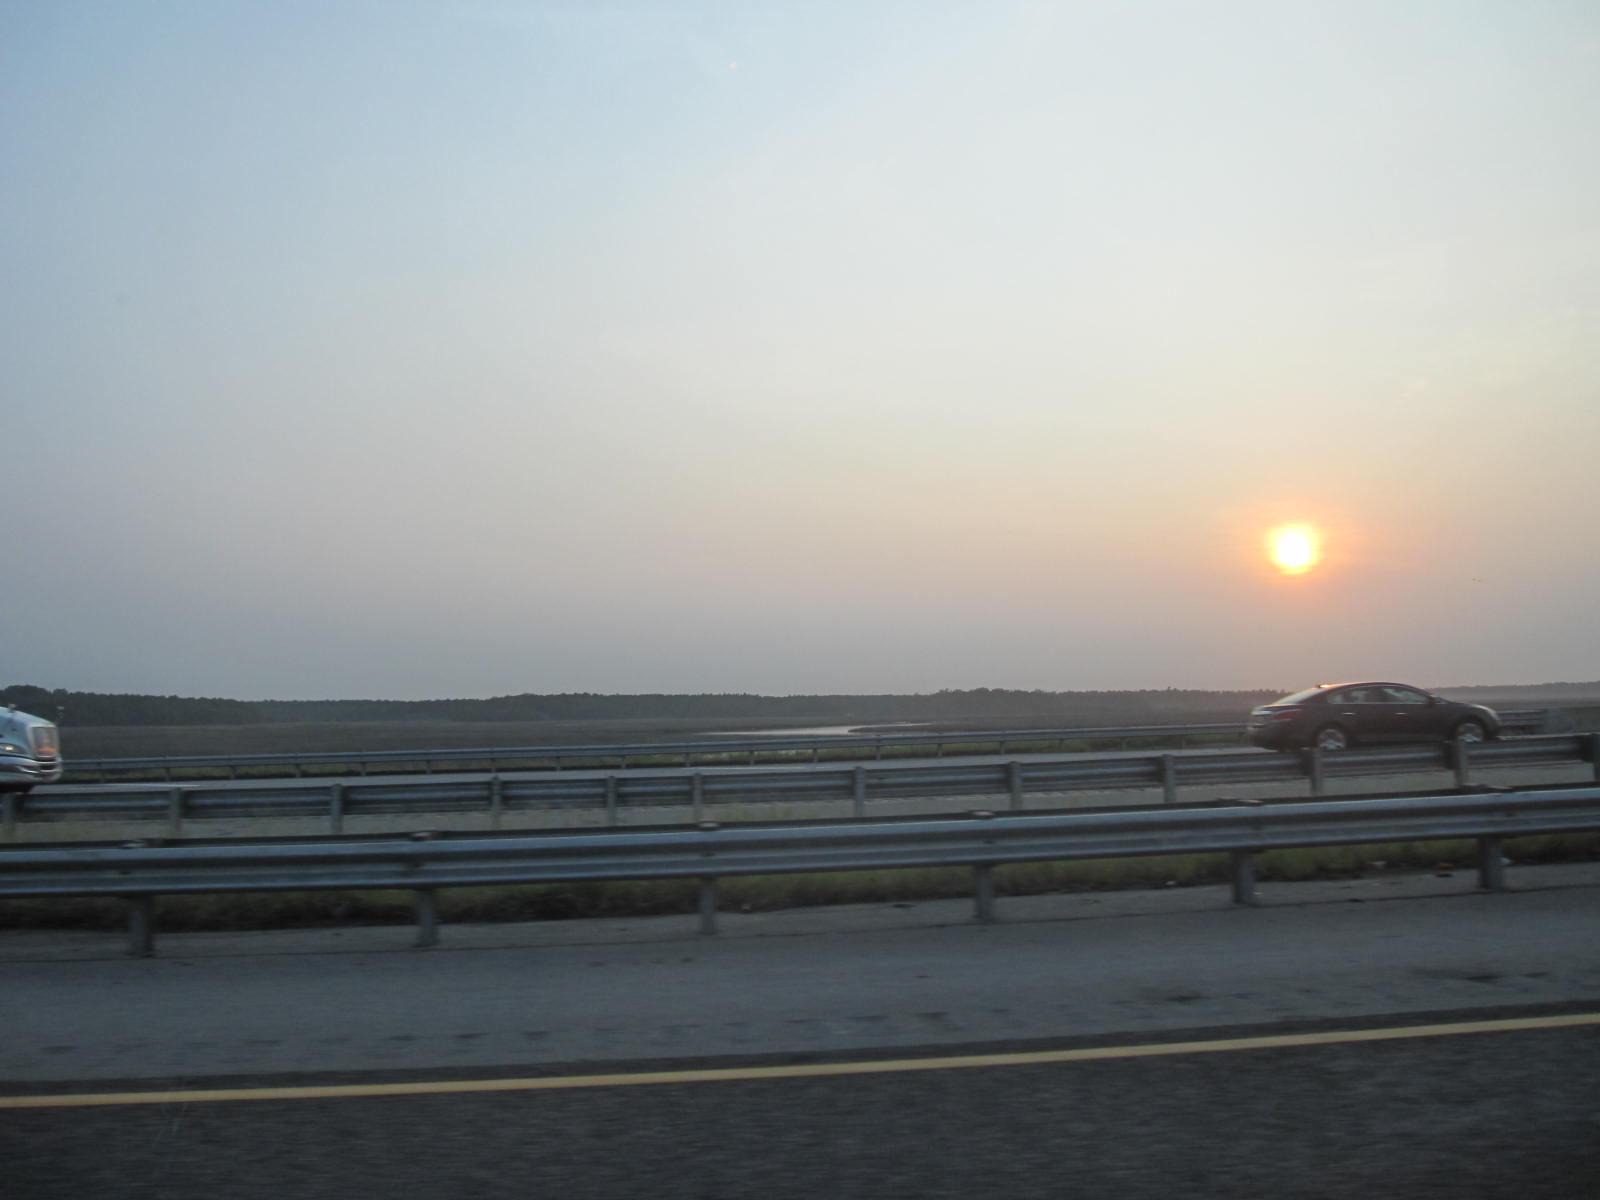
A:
<point x="697" y="792"/>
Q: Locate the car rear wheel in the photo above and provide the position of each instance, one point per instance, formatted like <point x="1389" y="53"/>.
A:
<point x="1470" y="731"/>
<point x="1331" y="737"/>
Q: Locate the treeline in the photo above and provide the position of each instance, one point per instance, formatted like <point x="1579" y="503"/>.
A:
<point x="98" y="708"/>
<point x="993" y="705"/>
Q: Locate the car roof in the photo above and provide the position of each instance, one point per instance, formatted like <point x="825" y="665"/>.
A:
<point x="16" y="718"/>
<point x="1329" y="687"/>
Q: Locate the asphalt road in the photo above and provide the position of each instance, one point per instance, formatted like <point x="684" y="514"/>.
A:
<point x="1513" y="1113"/>
<point x="828" y="980"/>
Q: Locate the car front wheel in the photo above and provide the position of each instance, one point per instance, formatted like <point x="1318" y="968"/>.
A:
<point x="1331" y="737"/>
<point x="1470" y="731"/>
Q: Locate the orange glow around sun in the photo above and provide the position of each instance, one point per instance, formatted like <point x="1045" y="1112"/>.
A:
<point x="1294" y="549"/>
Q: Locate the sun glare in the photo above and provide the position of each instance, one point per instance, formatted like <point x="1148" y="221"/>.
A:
<point x="1294" y="549"/>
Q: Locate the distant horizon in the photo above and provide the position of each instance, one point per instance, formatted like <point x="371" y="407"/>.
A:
<point x="452" y="698"/>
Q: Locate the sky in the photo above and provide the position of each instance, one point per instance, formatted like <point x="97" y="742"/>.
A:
<point x="409" y="350"/>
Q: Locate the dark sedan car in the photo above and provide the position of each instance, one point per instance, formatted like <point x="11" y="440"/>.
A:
<point x="1332" y="716"/>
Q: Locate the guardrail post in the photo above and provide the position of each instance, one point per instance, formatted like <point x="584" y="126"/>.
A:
<point x="983" y="892"/>
<point x="1594" y="754"/>
<point x="1169" y="779"/>
<point x="174" y="812"/>
<point x="141" y="925"/>
<point x="983" y="881"/>
<point x="1311" y="757"/>
<point x="699" y="790"/>
<point x="497" y="800"/>
<point x="938" y="749"/>
<point x="336" y="808"/>
<point x="1491" y="865"/>
<point x="1014" y="783"/>
<point x="708" y="906"/>
<point x="427" y="918"/>
<point x="1460" y="761"/>
<point x="1244" y="877"/>
<point x="858" y="790"/>
<point x="816" y="752"/>
<point x="611" y="799"/>
<point x="9" y="803"/>
<point x="877" y="750"/>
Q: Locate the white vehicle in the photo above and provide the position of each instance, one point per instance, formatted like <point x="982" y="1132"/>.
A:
<point x="30" y="751"/>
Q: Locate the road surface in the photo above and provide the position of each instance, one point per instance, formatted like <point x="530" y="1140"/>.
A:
<point x="1511" y="1112"/>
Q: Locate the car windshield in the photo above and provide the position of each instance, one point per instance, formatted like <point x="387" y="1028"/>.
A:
<point x="1298" y="697"/>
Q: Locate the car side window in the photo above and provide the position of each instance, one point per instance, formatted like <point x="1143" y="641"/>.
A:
<point x="1351" y="696"/>
<point x="1400" y="695"/>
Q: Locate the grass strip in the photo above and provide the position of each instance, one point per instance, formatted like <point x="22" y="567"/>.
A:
<point x="975" y="746"/>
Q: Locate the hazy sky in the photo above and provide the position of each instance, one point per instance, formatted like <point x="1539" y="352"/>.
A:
<point x="421" y="349"/>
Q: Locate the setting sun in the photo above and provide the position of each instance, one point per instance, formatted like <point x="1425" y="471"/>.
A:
<point x="1294" y="549"/>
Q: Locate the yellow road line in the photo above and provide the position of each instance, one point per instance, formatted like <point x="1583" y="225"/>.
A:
<point x="560" y="1083"/>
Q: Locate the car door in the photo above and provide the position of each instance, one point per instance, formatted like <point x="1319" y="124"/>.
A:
<point x="1405" y="714"/>
<point x="1359" y="710"/>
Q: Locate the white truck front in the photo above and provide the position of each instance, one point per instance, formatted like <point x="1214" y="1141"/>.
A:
<point x="30" y="751"/>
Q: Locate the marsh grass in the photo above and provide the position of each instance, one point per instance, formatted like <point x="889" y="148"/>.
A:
<point x="767" y="893"/>
<point x="600" y="762"/>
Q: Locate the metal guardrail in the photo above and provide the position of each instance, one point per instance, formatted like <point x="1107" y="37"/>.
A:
<point x="1514" y="720"/>
<point x="699" y="791"/>
<point x="422" y="864"/>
